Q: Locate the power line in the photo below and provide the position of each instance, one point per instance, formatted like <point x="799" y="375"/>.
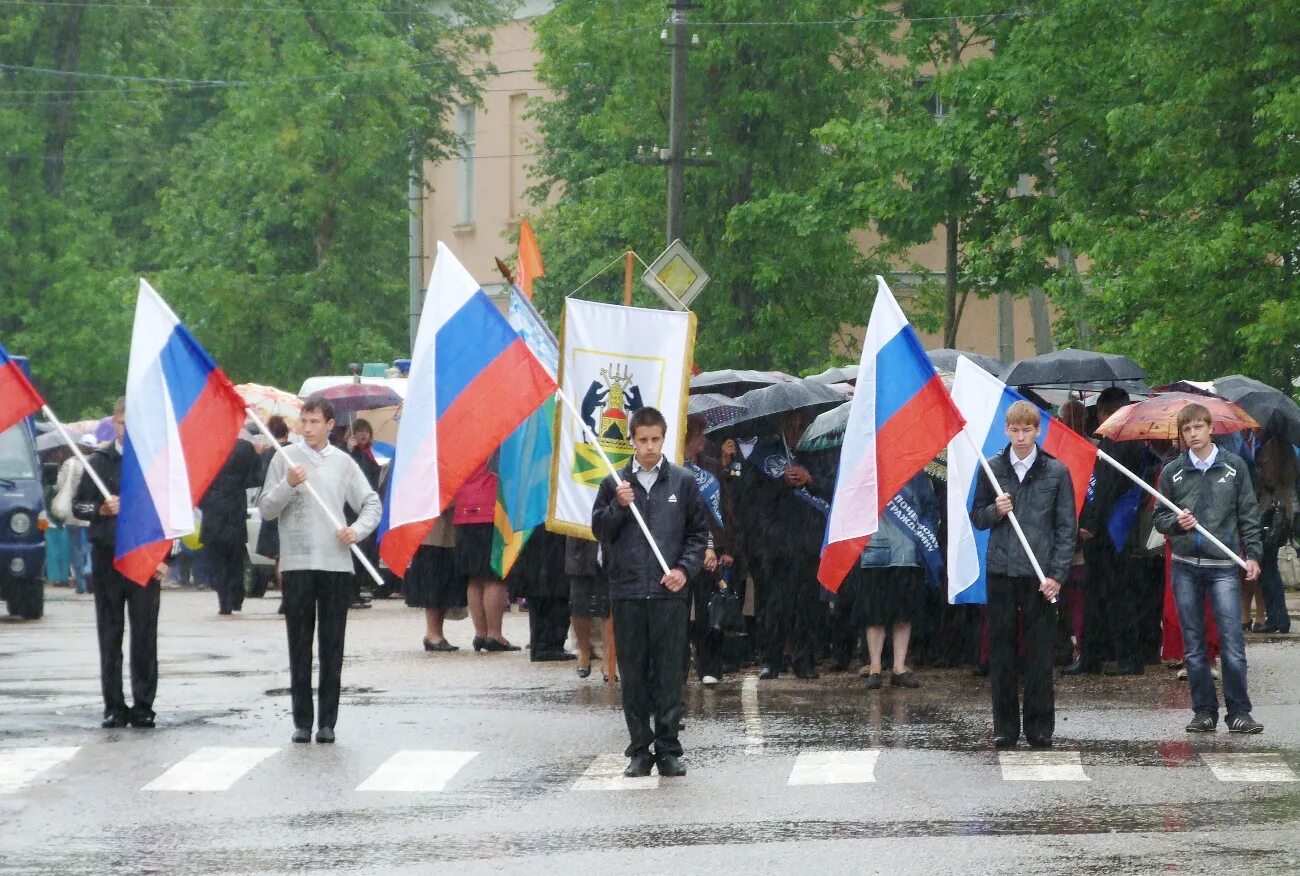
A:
<point x="237" y="10"/>
<point x="227" y="83"/>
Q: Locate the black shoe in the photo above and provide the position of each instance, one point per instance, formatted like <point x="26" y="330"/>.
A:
<point x="1278" y="631"/>
<point x="301" y="734"/>
<point x="903" y="679"/>
<point x="491" y="644"/>
<point x="874" y="681"/>
<point x="584" y="671"/>
<point x="1004" y="740"/>
<point x="671" y="765"/>
<point x="325" y="734"/>
<point x="113" y="720"/>
<point x="444" y="645"/>
<point x="360" y="603"/>
<point x="141" y="718"/>
<point x="639" y="767"/>
<point x="768" y="672"/>
<point x="479" y="643"/>
<point x="1078" y="667"/>
<point x="552" y="656"/>
<point x="1039" y="741"/>
<point x="1203" y="722"/>
<point x="1244" y="724"/>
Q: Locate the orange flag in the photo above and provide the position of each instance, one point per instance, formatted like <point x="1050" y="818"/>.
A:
<point x="530" y="259"/>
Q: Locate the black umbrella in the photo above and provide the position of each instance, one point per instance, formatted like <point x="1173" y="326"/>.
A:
<point x="716" y="409"/>
<point x="1071" y="367"/>
<point x="731" y="382"/>
<point x="764" y="407"/>
<point x="946" y="360"/>
<point x="1262" y="402"/>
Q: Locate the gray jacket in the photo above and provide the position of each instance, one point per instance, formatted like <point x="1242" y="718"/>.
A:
<point x="1222" y="500"/>
<point x="1043" y="503"/>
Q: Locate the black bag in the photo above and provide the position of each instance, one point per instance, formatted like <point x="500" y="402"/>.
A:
<point x="1276" y="529"/>
<point x="726" y="614"/>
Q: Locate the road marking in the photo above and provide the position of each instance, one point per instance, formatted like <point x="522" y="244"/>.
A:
<point x="753" y="719"/>
<point x="1249" y="766"/>
<point x="834" y="767"/>
<point x="18" y="766"/>
<point x="1042" y="766"/>
<point x="606" y="774"/>
<point x="416" y="771"/>
<point x="210" y="769"/>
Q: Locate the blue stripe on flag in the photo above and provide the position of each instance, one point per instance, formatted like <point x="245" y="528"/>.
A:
<point x="185" y="366"/>
<point x="466" y="345"/>
<point x="902" y="370"/>
<point x="994" y="442"/>
<point x="138" y="522"/>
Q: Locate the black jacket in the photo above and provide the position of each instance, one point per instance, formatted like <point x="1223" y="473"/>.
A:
<point x="1109" y="486"/>
<point x="1222" y="500"/>
<point x="1043" y="503"/>
<point x="107" y="463"/>
<point x="225" y="504"/>
<point x="675" y="515"/>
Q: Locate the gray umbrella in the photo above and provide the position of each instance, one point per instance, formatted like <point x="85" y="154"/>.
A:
<point x="716" y="409"/>
<point x="847" y="374"/>
<point x="1262" y="402"/>
<point x="1070" y="367"/>
<point x="766" y="406"/>
<point x="946" y="360"/>
<point x="732" y="382"/>
<point x="827" y="430"/>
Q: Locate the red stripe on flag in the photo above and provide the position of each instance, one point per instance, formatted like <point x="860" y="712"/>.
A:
<point x="399" y="545"/>
<point x="141" y="564"/>
<point x="913" y="437"/>
<point x="1077" y="454"/>
<point x="209" y="431"/>
<point x="18" y="398"/>
<point x="838" y="560"/>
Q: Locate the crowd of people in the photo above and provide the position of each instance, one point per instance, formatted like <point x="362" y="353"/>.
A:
<point x="1121" y="582"/>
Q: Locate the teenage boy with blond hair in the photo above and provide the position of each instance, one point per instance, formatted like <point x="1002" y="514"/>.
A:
<point x="1038" y="487"/>
<point x="1213" y="488"/>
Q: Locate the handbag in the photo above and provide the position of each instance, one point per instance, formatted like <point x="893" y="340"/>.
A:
<point x="1288" y="565"/>
<point x="726" y="614"/>
<point x="1277" y="532"/>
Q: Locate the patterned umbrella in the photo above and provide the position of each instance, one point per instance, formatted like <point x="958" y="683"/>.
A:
<point x="1157" y="417"/>
<point x="271" y="402"/>
<point x="348" y="398"/>
<point x="716" y="409"/>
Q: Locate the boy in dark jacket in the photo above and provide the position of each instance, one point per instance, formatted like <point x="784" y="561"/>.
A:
<point x="651" y="608"/>
<point x="1040" y="490"/>
<point x="1213" y="488"/>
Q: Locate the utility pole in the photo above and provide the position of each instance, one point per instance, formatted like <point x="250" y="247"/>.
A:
<point x="677" y="116"/>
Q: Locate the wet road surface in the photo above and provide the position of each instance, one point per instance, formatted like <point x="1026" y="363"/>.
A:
<point x="488" y="763"/>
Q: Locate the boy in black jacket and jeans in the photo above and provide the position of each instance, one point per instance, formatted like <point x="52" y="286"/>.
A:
<point x="651" y="609"/>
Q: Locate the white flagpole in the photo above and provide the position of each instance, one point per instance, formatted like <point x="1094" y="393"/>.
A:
<point x="1101" y="454"/>
<point x="329" y="512"/>
<point x="1015" y="524"/>
<point x="76" y="451"/>
<point x="636" y="512"/>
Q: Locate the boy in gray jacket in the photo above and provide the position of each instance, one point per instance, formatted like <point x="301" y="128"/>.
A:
<point x="1213" y="488"/>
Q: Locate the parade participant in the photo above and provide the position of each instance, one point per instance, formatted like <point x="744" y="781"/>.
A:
<point x="116" y="596"/>
<point x="718" y="559"/>
<point x="433" y="584"/>
<point x="475" y="508"/>
<point x="225" y="524"/>
<point x="361" y="449"/>
<point x="651" y="608"/>
<point x="538" y="577"/>
<point x="315" y="562"/>
<point x="1275" y="464"/>
<point x="1212" y="486"/>
<point x="1039" y="489"/>
<point x="588" y="597"/>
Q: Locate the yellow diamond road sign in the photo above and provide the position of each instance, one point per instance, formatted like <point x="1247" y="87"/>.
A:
<point x="676" y="276"/>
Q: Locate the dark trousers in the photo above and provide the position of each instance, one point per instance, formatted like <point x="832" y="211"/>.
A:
<point x="226" y="567"/>
<point x="1011" y="599"/>
<point x="1110" y="608"/>
<point x="707" y="641"/>
<point x="844" y="634"/>
<point x="306" y="595"/>
<point x="651" y="636"/>
<point x="1270" y="583"/>
<point x="791" y="608"/>
<point x="117" y="598"/>
<point x="548" y="623"/>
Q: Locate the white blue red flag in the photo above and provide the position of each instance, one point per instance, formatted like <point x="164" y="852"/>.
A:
<point x="983" y="400"/>
<point x="901" y="418"/>
<point x="18" y="398"/>
<point x="473" y="380"/>
<point x="182" y="418"/>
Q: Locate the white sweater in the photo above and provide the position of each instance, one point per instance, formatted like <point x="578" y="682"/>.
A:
<point x="308" y="540"/>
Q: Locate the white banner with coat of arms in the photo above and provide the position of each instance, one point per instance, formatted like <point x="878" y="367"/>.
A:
<point x="613" y="361"/>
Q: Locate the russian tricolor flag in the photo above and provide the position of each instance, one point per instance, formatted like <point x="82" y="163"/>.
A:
<point x="473" y="380"/>
<point x="983" y="400"/>
<point x="182" y="418"/>
<point x="18" y="398"/>
<point x="901" y="418"/>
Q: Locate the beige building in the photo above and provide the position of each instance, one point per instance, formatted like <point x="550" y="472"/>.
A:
<point x="474" y="202"/>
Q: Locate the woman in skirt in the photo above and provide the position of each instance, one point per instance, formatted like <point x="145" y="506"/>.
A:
<point x="434" y="584"/>
<point x="475" y="507"/>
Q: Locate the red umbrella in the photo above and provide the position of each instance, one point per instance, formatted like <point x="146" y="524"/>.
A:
<point x="1157" y="417"/>
<point x="348" y="398"/>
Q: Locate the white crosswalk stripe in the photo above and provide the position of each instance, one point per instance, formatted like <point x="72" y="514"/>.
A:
<point x="19" y="766"/>
<point x="834" y="767"/>
<point x="753" y="718"/>
<point x="417" y="771"/>
<point x="606" y="774"/>
<point x="210" y="769"/>
<point x="1042" y="766"/>
<point x="1249" y="766"/>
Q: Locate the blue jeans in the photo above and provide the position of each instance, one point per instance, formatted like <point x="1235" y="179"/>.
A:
<point x="1192" y="584"/>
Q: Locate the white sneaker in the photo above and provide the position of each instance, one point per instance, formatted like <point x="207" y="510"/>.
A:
<point x="708" y="681"/>
<point x="1182" y="674"/>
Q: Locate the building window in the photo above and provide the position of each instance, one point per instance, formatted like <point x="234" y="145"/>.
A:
<point x="465" y="138"/>
<point x="924" y="88"/>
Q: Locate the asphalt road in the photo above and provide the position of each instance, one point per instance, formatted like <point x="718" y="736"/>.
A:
<point x="490" y="764"/>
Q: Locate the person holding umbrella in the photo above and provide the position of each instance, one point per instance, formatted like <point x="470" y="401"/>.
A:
<point x="1213" y="488"/>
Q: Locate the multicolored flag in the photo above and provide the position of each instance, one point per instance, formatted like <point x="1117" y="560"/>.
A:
<point x="18" y="398"/>
<point x="183" y="416"/>
<point x="528" y="266"/>
<point x="901" y="418"/>
<point x="473" y="380"/>
<point x="983" y="400"/>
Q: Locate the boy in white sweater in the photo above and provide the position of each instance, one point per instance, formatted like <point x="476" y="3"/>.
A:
<point x="315" y="560"/>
